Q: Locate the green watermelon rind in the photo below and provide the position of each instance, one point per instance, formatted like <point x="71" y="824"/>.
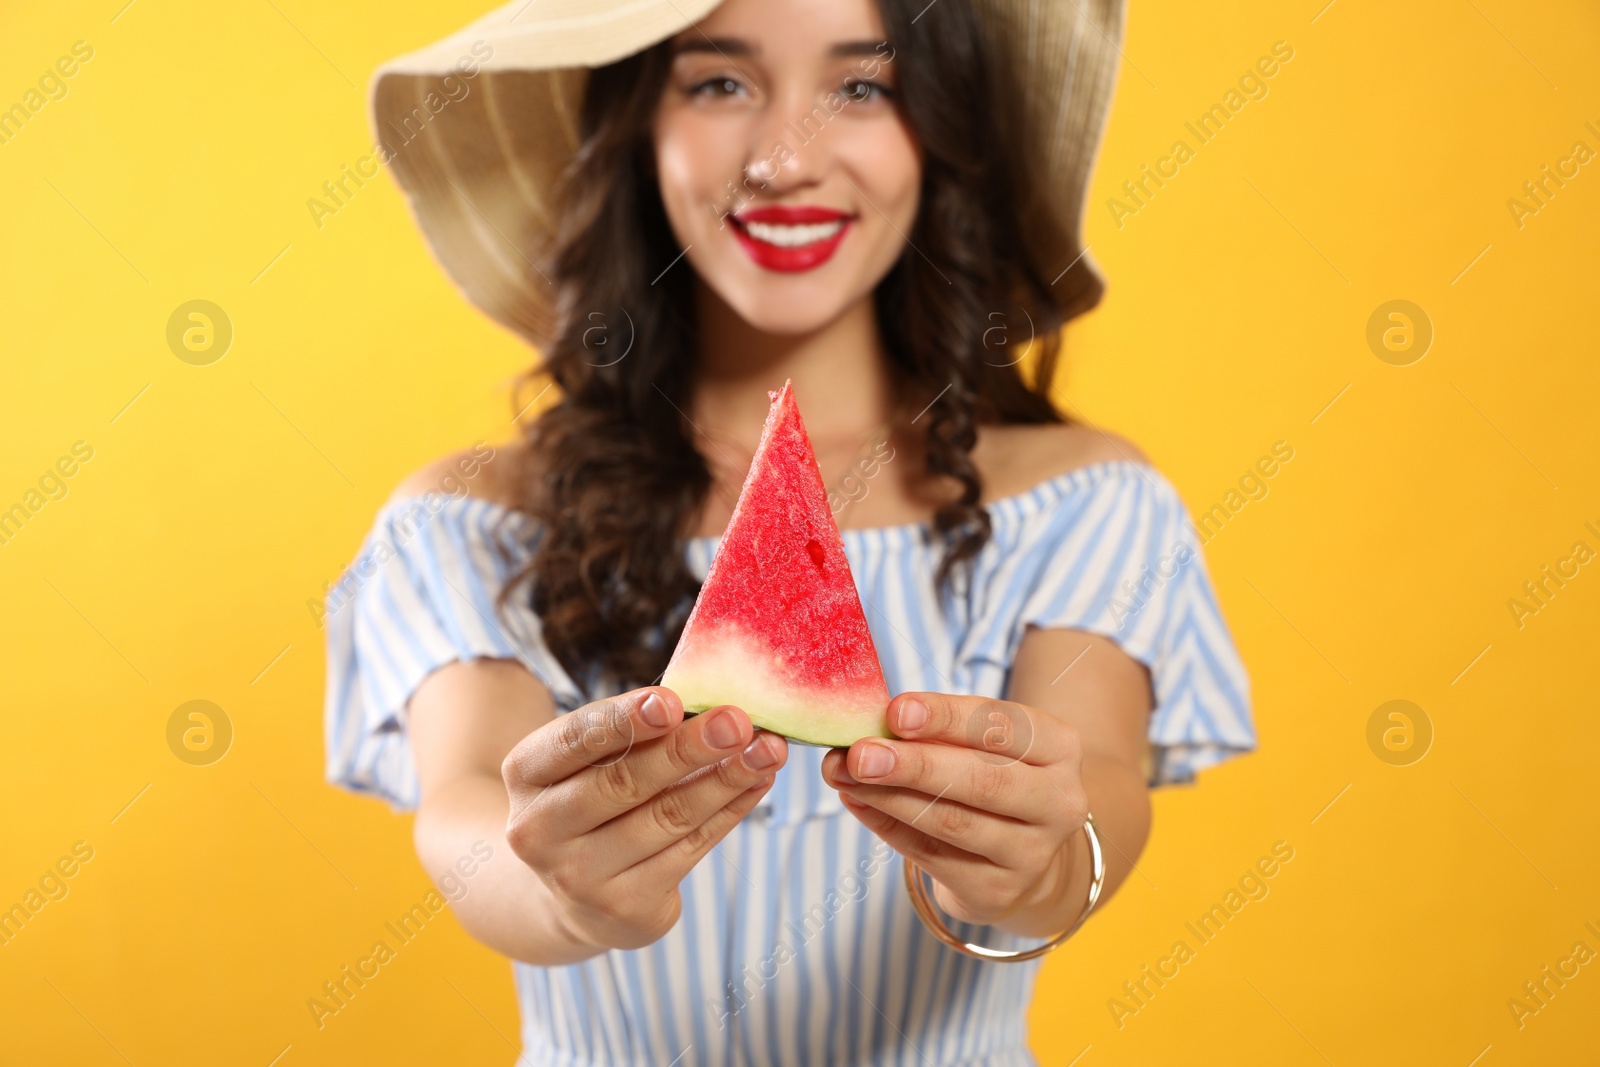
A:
<point x="839" y="740"/>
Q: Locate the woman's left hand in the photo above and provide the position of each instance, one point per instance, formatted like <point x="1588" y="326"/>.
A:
<point x="983" y="794"/>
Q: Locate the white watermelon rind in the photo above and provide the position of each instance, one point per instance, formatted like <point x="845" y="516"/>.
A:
<point x="730" y="667"/>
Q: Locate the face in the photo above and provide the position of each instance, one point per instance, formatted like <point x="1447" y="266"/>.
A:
<point x="785" y="167"/>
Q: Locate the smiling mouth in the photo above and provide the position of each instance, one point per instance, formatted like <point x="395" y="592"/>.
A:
<point x="790" y="239"/>
<point x="785" y="236"/>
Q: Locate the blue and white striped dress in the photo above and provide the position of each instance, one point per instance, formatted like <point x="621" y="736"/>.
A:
<point x="798" y="944"/>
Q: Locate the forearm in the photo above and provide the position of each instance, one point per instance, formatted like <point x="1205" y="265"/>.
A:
<point x="1120" y="801"/>
<point x="504" y="904"/>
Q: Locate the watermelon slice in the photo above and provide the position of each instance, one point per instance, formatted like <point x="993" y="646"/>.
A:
<point x="777" y="629"/>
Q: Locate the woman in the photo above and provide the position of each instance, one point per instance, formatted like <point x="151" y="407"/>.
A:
<point x="877" y="201"/>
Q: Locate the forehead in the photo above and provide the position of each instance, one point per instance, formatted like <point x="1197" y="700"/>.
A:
<point x="772" y="28"/>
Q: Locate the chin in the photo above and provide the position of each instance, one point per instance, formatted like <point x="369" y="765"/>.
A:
<point x="787" y="303"/>
<point x="787" y="314"/>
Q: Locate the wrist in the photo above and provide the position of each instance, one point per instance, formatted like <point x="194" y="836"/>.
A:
<point x="581" y="932"/>
<point x="1057" y="899"/>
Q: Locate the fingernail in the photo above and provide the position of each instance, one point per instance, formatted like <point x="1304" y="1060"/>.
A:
<point x="913" y="715"/>
<point x="654" y="710"/>
<point x="876" y="761"/>
<point x="758" y="754"/>
<point x="722" y="731"/>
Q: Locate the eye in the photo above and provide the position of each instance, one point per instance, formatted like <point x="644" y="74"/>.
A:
<point x="718" y="87"/>
<point x="858" y="91"/>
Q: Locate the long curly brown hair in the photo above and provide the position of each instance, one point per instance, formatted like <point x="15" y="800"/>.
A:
<point x="616" y="480"/>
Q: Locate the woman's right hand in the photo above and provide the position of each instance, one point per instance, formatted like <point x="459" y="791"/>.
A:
<point x="613" y="803"/>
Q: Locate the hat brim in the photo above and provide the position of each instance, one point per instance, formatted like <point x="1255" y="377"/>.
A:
<point x="551" y="34"/>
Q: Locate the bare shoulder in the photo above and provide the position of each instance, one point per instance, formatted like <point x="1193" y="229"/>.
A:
<point x="1014" y="459"/>
<point x="486" y="471"/>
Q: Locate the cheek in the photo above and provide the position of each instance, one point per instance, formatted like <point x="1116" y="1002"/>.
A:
<point x="882" y="159"/>
<point x="693" y="165"/>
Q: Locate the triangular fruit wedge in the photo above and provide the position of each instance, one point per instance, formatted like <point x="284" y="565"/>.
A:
<point x="777" y="629"/>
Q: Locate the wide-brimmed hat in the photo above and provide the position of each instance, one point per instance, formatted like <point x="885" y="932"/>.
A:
<point x="479" y="128"/>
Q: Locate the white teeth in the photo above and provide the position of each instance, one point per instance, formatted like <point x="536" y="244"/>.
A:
<point x="793" y="236"/>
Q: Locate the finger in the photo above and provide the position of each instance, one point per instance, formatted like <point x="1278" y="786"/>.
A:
<point x="1004" y="787"/>
<point x="596" y="733"/>
<point x="946" y="862"/>
<point x="1001" y="840"/>
<point x="600" y="793"/>
<point x="677" y="810"/>
<point x="671" y="864"/>
<point x="1004" y="728"/>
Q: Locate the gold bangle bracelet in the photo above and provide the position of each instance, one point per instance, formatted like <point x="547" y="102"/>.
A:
<point x="930" y="915"/>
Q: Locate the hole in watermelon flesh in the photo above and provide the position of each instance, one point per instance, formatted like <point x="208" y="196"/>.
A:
<point x="817" y="555"/>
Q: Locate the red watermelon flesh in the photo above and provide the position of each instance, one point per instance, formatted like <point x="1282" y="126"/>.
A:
<point x="778" y="629"/>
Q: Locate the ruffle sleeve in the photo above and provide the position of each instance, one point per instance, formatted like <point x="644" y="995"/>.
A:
<point x="420" y="594"/>
<point x="1124" y="562"/>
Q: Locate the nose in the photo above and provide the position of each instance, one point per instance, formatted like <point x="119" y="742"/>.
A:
<point x="789" y="143"/>
<point x="761" y="171"/>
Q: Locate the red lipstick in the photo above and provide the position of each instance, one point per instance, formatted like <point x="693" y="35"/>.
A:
<point x="791" y="239"/>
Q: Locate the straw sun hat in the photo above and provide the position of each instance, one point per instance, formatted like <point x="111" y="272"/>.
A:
<point x="478" y="128"/>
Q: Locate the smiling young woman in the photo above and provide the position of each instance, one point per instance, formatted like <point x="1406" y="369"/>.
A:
<point x="683" y="204"/>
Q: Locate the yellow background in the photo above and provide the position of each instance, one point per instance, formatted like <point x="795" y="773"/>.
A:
<point x="180" y="563"/>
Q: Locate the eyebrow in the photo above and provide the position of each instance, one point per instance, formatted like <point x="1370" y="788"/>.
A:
<point x="738" y="46"/>
<point x="733" y="46"/>
<point x="858" y="48"/>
